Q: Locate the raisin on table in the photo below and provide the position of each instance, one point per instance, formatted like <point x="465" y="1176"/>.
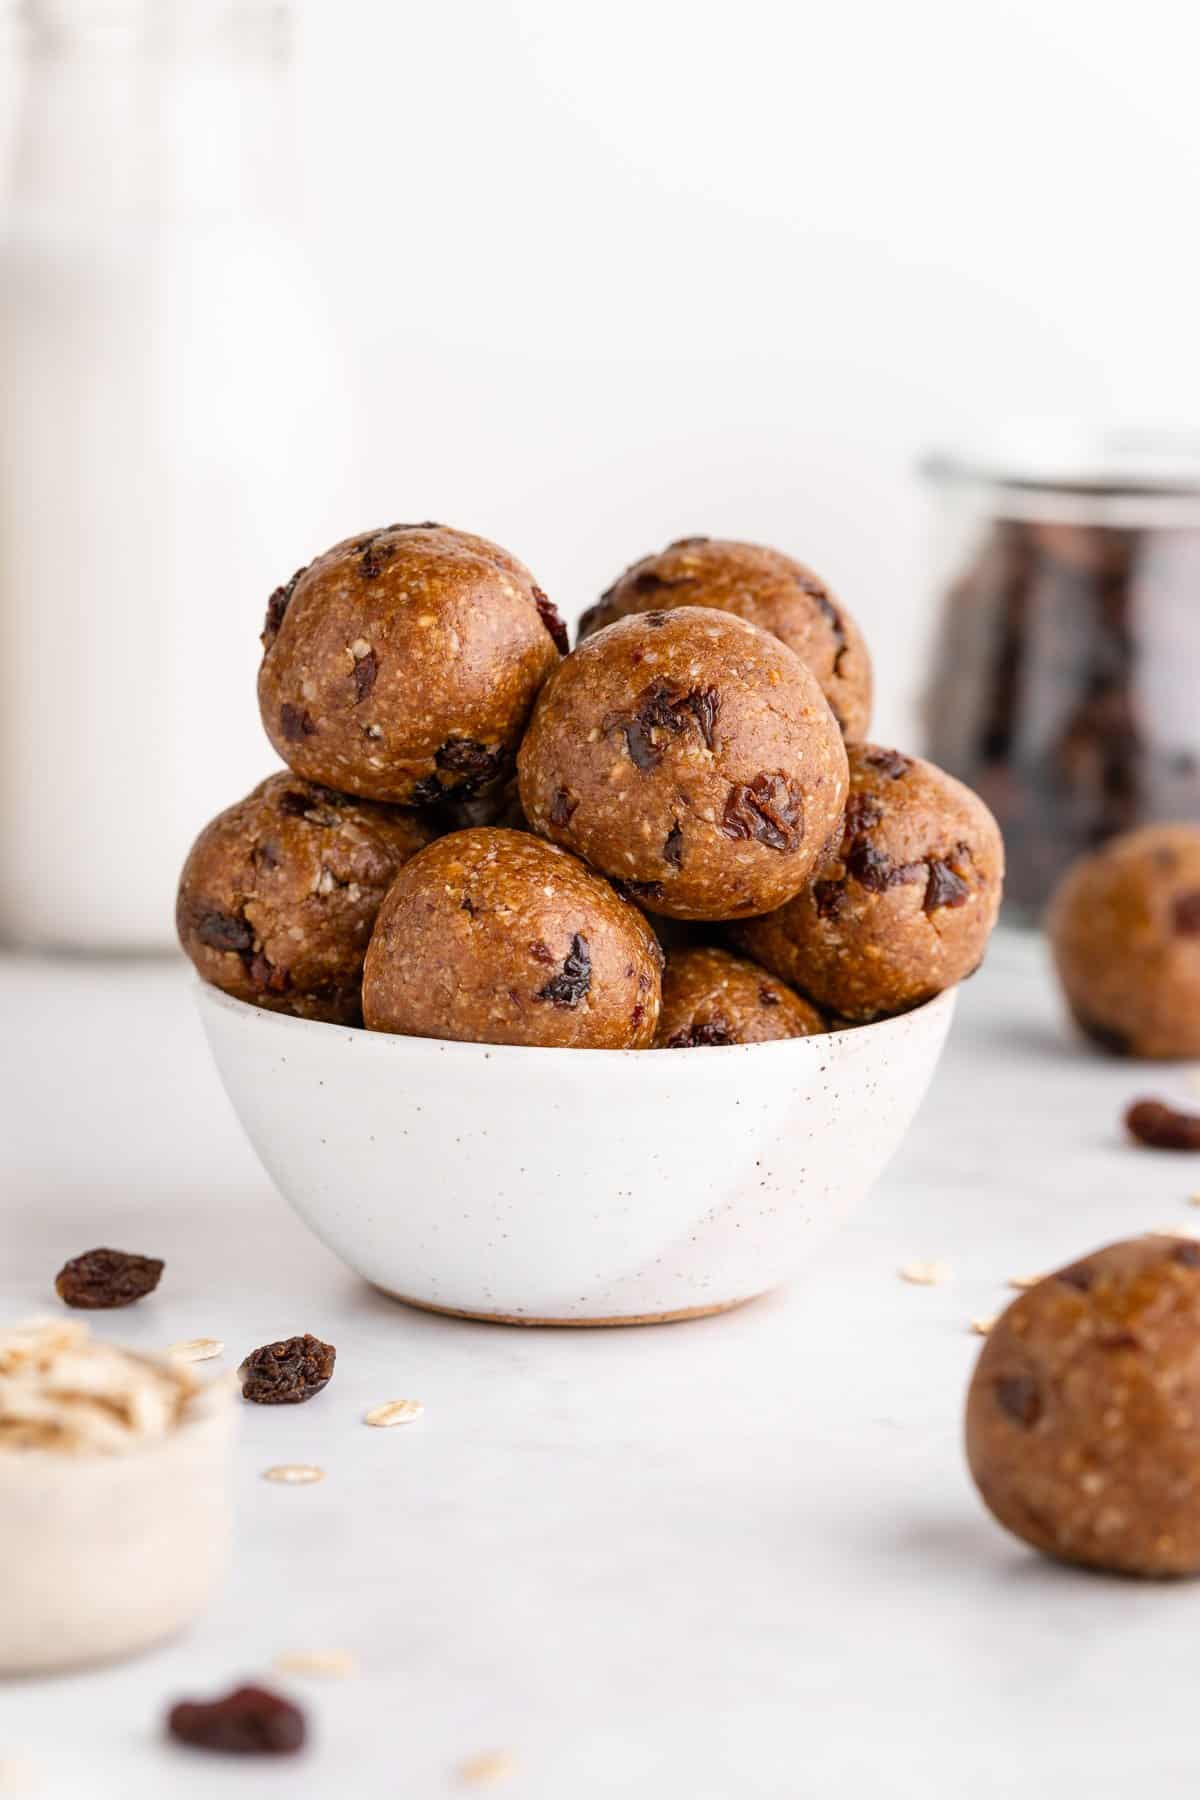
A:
<point x="1163" y="1127"/>
<point x="288" y="1371"/>
<point x="249" y="1721"/>
<point x="104" y="1278"/>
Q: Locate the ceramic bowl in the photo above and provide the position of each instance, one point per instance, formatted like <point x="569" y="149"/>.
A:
<point x="101" y="1556"/>
<point x="571" y="1187"/>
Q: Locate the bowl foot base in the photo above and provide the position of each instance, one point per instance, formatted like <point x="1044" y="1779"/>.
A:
<point x="496" y="1318"/>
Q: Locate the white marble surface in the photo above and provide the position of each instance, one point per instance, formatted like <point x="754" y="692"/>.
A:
<point x="734" y="1558"/>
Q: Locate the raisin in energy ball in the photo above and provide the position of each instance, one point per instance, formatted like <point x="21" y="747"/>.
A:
<point x="1124" y="928"/>
<point x="692" y="757"/>
<point x="1081" y="1425"/>
<point x="906" y="908"/>
<point x="768" y="589"/>
<point x="710" y="998"/>
<point x="495" y="937"/>
<point x="499" y="803"/>
<point x="402" y="665"/>
<point x="279" y="894"/>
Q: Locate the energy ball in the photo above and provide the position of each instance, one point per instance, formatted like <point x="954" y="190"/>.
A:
<point x="1081" y="1416"/>
<point x="906" y="907"/>
<point x="279" y="894"/>
<point x="1124" y="927"/>
<point x="402" y="664"/>
<point x="710" y="997"/>
<point x="768" y="589"/>
<point x="690" y="756"/>
<point x="495" y="937"/>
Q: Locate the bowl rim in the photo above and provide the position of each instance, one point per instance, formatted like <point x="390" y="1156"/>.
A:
<point x="385" y="1043"/>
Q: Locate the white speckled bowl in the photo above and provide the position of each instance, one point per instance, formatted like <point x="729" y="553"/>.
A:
<point x="571" y="1187"/>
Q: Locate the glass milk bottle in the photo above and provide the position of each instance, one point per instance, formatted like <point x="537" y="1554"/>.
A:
<point x="174" y="441"/>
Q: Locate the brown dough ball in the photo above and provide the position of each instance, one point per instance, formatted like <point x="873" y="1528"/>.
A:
<point x="402" y="665"/>
<point x="494" y="937"/>
<point x="279" y="894"/>
<point x="1124" y="926"/>
<point x="710" y="997"/>
<point x="1081" y="1416"/>
<point x="690" y="756"/>
<point x="907" y="906"/>
<point x="768" y="589"/>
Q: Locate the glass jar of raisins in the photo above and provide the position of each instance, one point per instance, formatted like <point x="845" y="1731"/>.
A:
<point x="1065" y="679"/>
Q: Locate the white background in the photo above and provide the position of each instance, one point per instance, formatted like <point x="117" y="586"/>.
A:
<point x="620" y="273"/>
<point x="582" y="279"/>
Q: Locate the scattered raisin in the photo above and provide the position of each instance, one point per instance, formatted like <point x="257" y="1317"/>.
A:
<point x="1018" y="1396"/>
<point x="767" y="996"/>
<point x="277" y="606"/>
<point x="637" y="1015"/>
<point x="645" y="891"/>
<point x="309" y="805"/>
<point x="944" y="887"/>
<point x="249" y="1721"/>
<point x="103" y="1278"/>
<point x="1163" y="1127"/>
<point x="1078" y="1276"/>
<point x="426" y="792"/>
<point x="818" y="592"/>
<point x="829" y="897"/>
<point x="552" y="619"/>
<point x="888" y="762"/>
<point x="1185" y="915"/>
<point x="474" y="761"/>
<point x="644" y="751"/>
<point x="876" y="871"/>
<point x="287" y="1372"/>
<point x="710" y="1034"/>
<point x="568" y="987"/>
<point x="294" y="723"/>
<point x="862" y="812"/>
<point x="673" y="847"/>
<point x="664" y="708"/>
<point x="376" y="552"/>
<point x="541" y="952"/>
<point x="224" y="931"/>
<point x="366" y="668"/>
<point x="294" y="805"/>
<point x="649" y="581"/>
<point x="769" y="809"/>
<point x="562" y="807"/>
<point x="1188" y="1254"/>
<point x="266" y="974"/>
<point x="704" y="704"/>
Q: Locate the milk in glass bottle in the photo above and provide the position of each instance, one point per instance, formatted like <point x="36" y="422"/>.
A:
<point x="174" y="440"/>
